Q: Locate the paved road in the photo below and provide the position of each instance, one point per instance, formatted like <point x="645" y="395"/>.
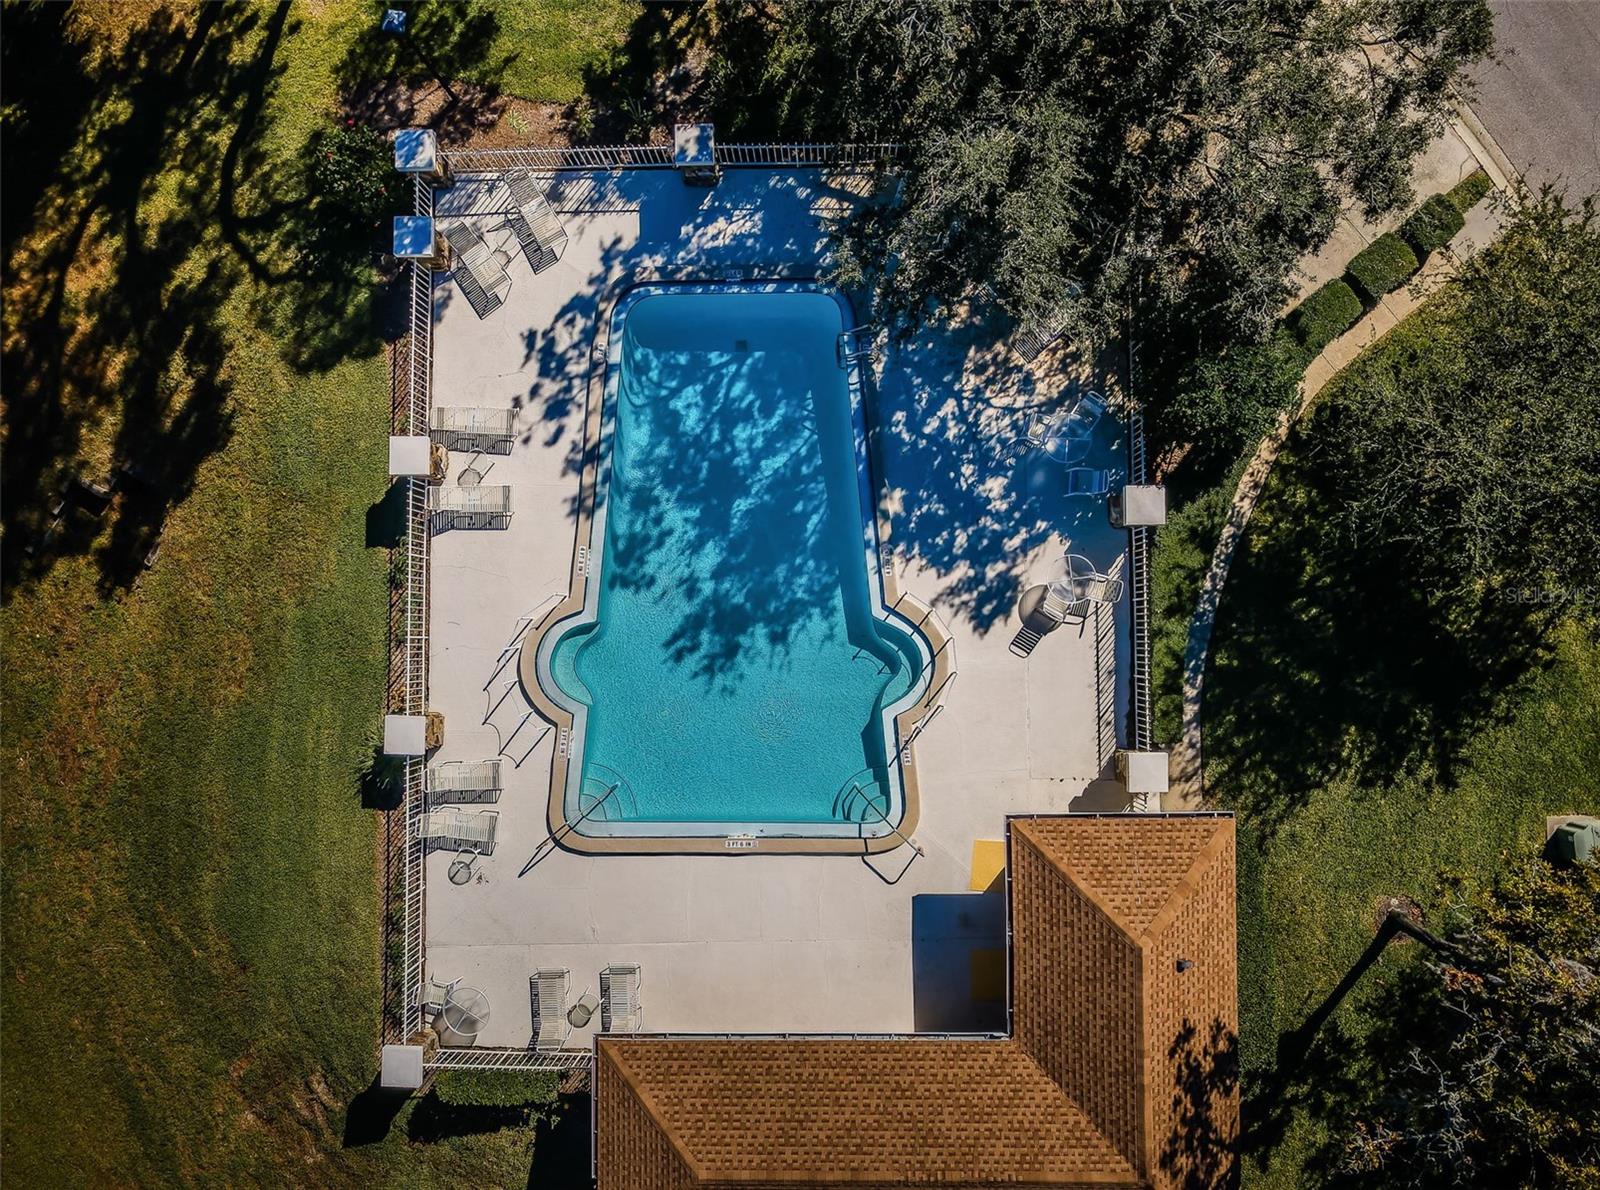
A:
<point x="1541" y="101"/>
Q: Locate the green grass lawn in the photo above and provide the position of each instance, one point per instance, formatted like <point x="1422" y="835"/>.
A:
<point x="190" y="972"/>
<point x="1369" y="746"/>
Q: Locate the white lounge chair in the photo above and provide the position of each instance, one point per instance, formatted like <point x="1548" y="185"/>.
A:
<point x="620" y="1011"/>
<point x="468" y="427"/>
<point x="459" y="776"/>
<point x="547" y="988"/>
<point x="479" y="270"/>
<point x="534" y="220"/>
<point x="480" y="506"/>
<point x="466" y="830"/>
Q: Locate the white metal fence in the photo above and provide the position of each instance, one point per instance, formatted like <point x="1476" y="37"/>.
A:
<point x="617" y="157"/>
<point x="415" y="623"/>
<point x="1141" y="730"/>
<point x="487" y="1058"/>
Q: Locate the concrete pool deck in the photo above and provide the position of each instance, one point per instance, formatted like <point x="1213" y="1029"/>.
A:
<point x="761" y="942"/>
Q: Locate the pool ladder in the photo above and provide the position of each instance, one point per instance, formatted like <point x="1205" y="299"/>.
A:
<point x="855" y="344"/>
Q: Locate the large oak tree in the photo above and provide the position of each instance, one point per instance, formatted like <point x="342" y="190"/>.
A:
<point x="1090" y="160"/>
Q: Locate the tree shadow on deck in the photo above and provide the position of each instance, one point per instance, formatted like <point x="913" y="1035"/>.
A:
<point x="942" y="419"/>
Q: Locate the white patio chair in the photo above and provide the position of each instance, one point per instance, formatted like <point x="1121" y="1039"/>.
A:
<point x="1088" y="481"/>
<point x="547" y="988"/>
<point x="534" y="220"/>
<point x="460" y="776"/>
<point x="463" y="427"/>
<point x="480" y="506"/>
<point x="1085" y="416"/>
<point x="479" y="270"/>
<point x="435" y="995"/>
<point x="466" y="830"/>
<point x="620" y="1011"/>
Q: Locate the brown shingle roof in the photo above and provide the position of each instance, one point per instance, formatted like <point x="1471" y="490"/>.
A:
<point x="920" y="1111"/>
<point x="1119" y="1071"/>
<point x="1131" y="866"/>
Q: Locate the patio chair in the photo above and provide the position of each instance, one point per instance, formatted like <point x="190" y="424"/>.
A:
<point x="481" y="506"/>
<point x="471" y="427"/>
<point x="435" y="995"/>
<point x="1088" y="481"/>
<point x="1085" y="416"/>
<point x="620" y="1011"/>
<point x="479" y="270"/>
<point x="447" y="781"/>
<point x="534" y="220"/>
<point x="547" y="989"/>
<point x="466" y="830"/>
<point x="1036" y="430"/>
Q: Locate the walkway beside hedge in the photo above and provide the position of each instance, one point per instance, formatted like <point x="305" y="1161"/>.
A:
<point x="1482" y="226"/>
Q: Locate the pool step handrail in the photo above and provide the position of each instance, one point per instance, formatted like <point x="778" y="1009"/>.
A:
<point x="553" y="840"/>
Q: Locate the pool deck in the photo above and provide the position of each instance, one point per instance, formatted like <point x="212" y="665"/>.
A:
<point x="763" y="942"/>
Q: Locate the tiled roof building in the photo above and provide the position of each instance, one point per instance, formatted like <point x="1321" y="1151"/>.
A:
<point x="1120" y="1069"/>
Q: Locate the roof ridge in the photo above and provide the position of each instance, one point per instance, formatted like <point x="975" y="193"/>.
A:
<point x="1185" y="888"/>
<point x="613" y="1054"/>
<point x="1078" y="1107"/>
<point x="1086" y="888"/>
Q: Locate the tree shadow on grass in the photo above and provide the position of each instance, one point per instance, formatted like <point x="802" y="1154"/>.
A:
<point x="152" y="205"/>
<point x="1340" y="658"/>
<point x="439" y="74"/>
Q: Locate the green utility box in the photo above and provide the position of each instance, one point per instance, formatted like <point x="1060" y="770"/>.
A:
<point x="1574" y="842"/>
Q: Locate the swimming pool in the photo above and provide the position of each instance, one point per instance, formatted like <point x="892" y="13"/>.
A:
<point x="733" y="670"/>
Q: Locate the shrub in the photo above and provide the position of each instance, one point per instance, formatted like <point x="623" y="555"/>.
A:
<point x="1468" y="192"/>
<point x="353" y="179"/>
<point x="1381" y="266"/>
<point x="1432" y="225"/>
<point x="1227" y="400"/>
<point x="1325" y="315"/>
<point x="497" y="1088"/>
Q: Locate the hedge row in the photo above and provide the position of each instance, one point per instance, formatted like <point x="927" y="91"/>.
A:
<point x="497" y="1088"/>
<point x="1325" y="315"/>
<point x="1383" y="265"/>
<point x="1432" y="225"/>
<point x="1468" y="192"/>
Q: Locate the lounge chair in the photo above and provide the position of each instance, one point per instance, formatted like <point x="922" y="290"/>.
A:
<point x="468" y="427"/>
<point x="547" y="988"/>
<point x="534" y="220"/>
<point x="481" y="506"/>
<point x="466" y="830"/>
<point x="479" y="270"/>
<point x="619" y="999"/>
<point x="1088" y="481"/>
<point x="459" y="776"/>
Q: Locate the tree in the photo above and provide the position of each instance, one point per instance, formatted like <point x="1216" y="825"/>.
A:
<point x="1475" y="443"/>
<point x="1094" y="159"/>
<point x="1498" y="1088"/>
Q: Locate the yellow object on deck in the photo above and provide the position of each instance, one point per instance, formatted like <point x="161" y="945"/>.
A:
<point x="988" y="861"/>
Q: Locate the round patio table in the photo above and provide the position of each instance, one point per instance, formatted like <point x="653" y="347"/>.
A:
<point x="1061" y="446"/>
<point x="1074" y="573"/>
<point x="465" y="1012"/>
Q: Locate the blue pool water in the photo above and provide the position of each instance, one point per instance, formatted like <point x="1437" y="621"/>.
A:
<point x="733" y="664"/>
